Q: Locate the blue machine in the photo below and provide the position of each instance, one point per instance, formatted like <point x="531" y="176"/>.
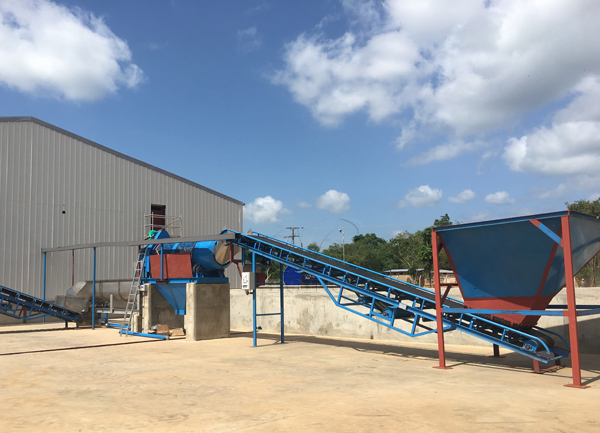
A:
<point x="171" y="266"/>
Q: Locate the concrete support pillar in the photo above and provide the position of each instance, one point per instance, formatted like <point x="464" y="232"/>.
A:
<point x="136" y="322"/>
<point x="146" y="307"/>
<point x="207" y="311"/>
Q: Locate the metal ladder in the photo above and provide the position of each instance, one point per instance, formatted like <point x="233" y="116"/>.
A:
<point x="133" y="292"/>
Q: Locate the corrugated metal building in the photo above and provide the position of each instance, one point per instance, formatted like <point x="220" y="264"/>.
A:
<point x="59" y="189"/>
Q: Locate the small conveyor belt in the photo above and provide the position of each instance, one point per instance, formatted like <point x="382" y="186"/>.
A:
<point x="23" y="306"/>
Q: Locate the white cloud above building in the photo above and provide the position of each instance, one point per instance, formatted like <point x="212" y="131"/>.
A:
<point x="423" y="196"/>
<point x="463" y="197"/>
<point x="469" y="69"/>
<point x="334" y="201"/>
<point x="264" y="210"/>
<point x="500" y="197"/>
<point x="47" y="49"/>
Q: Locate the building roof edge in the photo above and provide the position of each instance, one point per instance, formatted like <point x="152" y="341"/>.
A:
<point x="118" y="154"/>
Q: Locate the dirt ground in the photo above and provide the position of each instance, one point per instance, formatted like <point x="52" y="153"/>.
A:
<point x="84" y="380"/>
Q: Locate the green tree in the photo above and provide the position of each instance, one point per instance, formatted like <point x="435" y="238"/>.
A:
<point x="585" y="206"/>
<point x="404" y="250"/>
<point x="426" y="251"/>
<point x="590" y="272"/>
<point x="367" y="251"/>
<point x="313" y="246"/>
<point x="334" y="250"/>
<point x="443" y="221"/>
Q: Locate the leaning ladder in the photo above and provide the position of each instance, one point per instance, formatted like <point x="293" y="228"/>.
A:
<point x="133" y="292"/>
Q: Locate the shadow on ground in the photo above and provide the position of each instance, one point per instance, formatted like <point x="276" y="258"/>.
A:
<point x="508" y="361"/>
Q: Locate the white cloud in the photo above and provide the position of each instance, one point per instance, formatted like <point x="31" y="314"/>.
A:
<point x="304" y="205"/>
<point x="264" y="210"/>
<point x="544" y="193"/>
<point x="571" y="146"/>
<point x="463" y="197"/>
<point x="409" y="133"/>
<point x="500" y="197"/>
<point x="444" y="151"/>
<point x="249" y="39"/>
<point x="478" y="216"/>
<point x="335" y="78"/>
<point x="470" y="67"/>
<point x="423" y="196"/>
<point x="52" y="50"/>
<point x="334" y="201"/>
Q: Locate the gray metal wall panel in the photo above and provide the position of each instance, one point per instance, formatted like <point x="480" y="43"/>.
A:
<point x="104" y="198"/>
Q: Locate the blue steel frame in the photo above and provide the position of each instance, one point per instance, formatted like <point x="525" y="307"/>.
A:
<point x="255" y="314"/>
<point x="137" y="334"/>
<point x="386" y="299"/>
<point x="22" y="306"/>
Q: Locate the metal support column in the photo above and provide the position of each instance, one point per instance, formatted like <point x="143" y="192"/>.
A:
<point x="254" y="303"/>
<point x="435" y="247"/>
<point x="44" y="288"/>
<point x="281" y="300"/>
<point x="94" y="292"/>
<point x="571" y="303"/>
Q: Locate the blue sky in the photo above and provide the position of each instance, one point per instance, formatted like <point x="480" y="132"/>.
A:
<point x="366" y="116"/>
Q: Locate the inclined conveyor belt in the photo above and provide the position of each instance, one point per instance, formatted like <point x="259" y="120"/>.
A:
<point x="377" y="280"/>
<point x="23" y="306"/>
<point x="390" y="302"/>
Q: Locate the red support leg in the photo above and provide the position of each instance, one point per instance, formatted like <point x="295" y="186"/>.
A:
<point x="438" y="301"/>
<point x="539" y="370"/>
<point x="571" y="304"/>
<point x="496" y="352"/>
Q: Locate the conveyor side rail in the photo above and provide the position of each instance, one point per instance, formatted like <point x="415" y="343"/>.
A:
<point x="23" y="306"/>
<point x="387" y="300"/>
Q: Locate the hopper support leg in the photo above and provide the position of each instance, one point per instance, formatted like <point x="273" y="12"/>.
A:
<point x="571" y="304"/>
<point x="438" y="302"/>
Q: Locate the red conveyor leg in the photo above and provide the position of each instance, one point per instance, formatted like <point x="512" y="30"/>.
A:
<point x="496" y="352"/>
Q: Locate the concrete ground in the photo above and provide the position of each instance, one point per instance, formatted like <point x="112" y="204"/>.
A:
<point x="84" y="380"/>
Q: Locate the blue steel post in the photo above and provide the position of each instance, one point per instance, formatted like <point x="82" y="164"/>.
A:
<point x="44" y="289"/>
<point x="162" y="262"/>
<point x="281" y="300"/>
<point x="94" y="292"/>
<point x="254" y="303"/>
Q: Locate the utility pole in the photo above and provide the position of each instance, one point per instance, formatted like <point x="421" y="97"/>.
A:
<point x="343" y="245"/>
<point x="293" y="235"/>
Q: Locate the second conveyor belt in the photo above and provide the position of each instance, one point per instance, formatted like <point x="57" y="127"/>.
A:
<point x="385" y="300"/>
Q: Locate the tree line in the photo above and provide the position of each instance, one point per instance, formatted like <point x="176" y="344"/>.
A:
<point x="413" y="252"/>
<point x="410" y="251"/>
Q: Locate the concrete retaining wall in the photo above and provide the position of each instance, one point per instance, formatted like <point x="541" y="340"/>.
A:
<point x="310" y="311"/>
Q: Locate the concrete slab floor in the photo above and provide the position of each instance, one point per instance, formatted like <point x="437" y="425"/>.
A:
<point x="84" y="380"/>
